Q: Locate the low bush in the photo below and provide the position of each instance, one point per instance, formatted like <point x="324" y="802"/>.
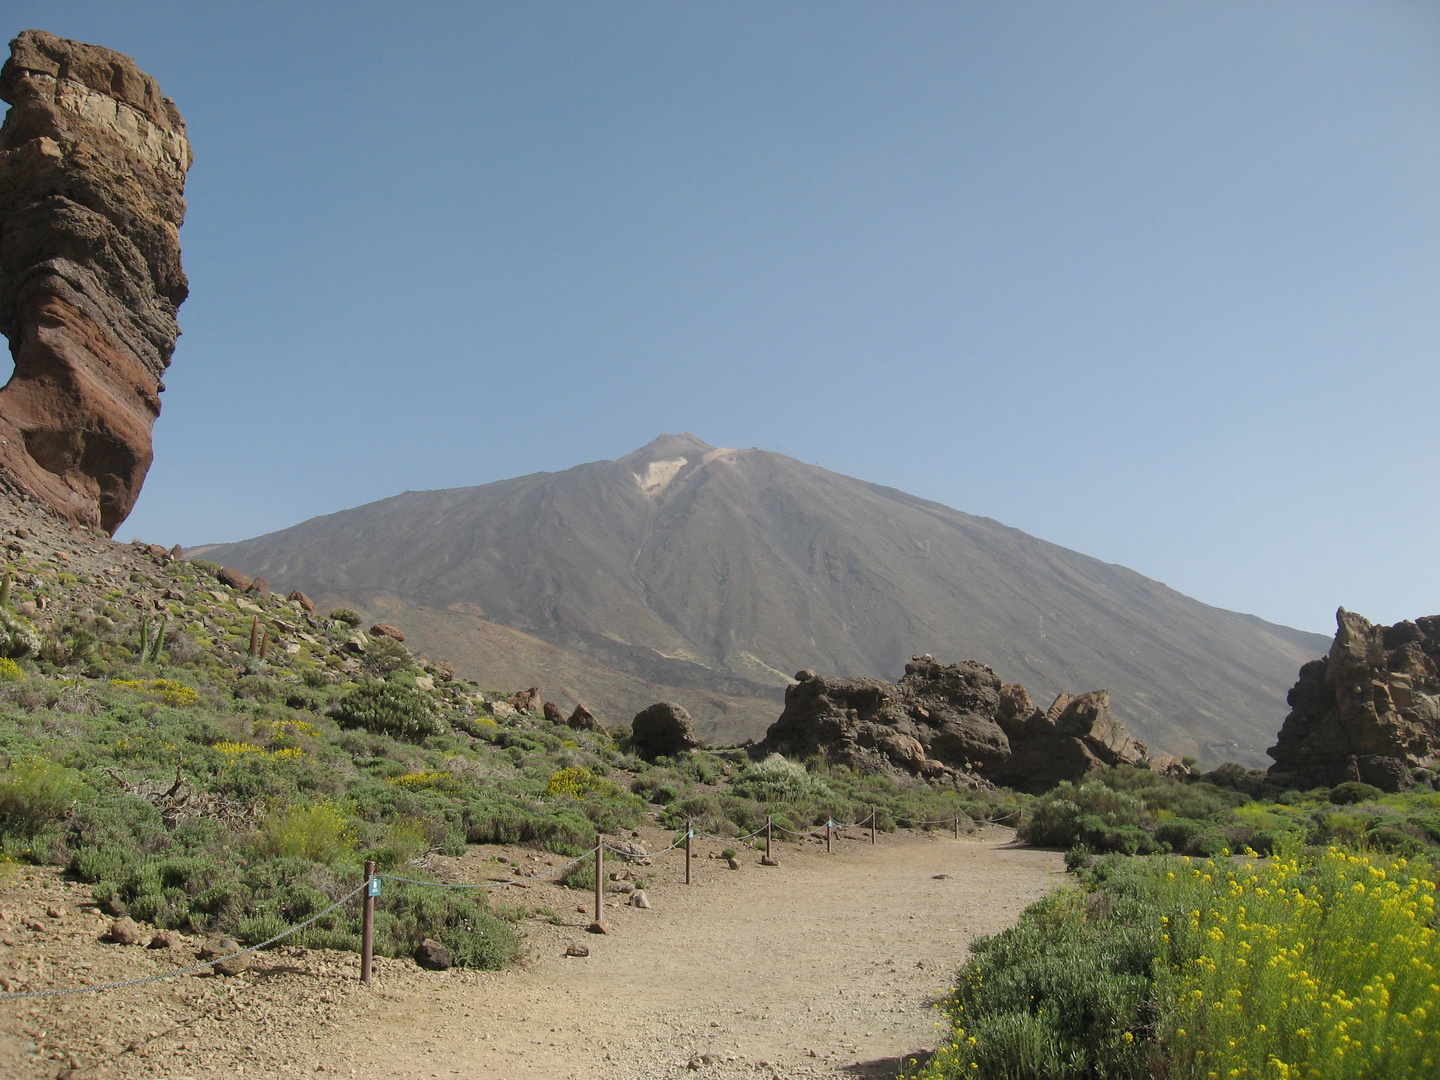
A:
<point x="580" y="783"/>
<point x="386" y="708"/>
<point x="581" y="875"/>
<point x="384" y="656"/>
<point x="319" y="832"/>
<point x="35" y="792"/>
<point x="1352" y="792"/>
<point x="777" y="779"/>
<point x="1091" y="813"/>
<point x="1322" y="965"/>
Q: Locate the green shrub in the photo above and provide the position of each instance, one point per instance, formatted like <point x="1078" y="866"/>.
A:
<point x="659" y="786"/>
<point x="384" y="655"/>
<point x="580" y="783"/>
<point x="18" y="636"/>
<point x="1091" y="813"/>
<point x="346" y="616"/>
<point x="581" y="875"/>
<point x="1352" y="792"/>
<point x="1396" y="839"/>
<point x="1059" y="996"/>
<point x="36" y="792"/>
<point x="317" y="832"/>
<point x="1178" y="834"/>
<point x="389" y="709"/>
<point x="475" y="936"/>
<point x="777" y="779"/>
<point x="1302" y="965"/>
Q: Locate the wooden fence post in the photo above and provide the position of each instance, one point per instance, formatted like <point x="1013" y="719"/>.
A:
<point x="829" y="824"/>
<point x="689" y="835"/>
<point x="599" y="878"/>
<point x="767" y="840"/>
<point x="872" y="826"/>
<point x="957" y="826"/>
<point x="367" y="923"/>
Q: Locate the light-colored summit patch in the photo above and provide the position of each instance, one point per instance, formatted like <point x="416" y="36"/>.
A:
<point x="727" y="452"/>
<point x="658" y="474"/>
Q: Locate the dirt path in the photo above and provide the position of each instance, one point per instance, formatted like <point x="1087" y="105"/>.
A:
<point x="822" y="967"/>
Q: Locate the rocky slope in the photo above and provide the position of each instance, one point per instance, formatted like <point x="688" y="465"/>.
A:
<point x="92" y="179"/>
<point x="709" y="575"/>
<point x="1369" y="710"/>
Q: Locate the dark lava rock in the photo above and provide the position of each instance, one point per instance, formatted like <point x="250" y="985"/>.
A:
<point x="433" y="956"/>
<point x="956" y="721"/>
<point x="663" y="730"/>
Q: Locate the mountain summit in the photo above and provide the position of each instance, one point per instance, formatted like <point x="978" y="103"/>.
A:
<point x="711" y="575"/>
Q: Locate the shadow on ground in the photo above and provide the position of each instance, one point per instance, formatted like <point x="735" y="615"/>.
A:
<point x="888" y="1068"/>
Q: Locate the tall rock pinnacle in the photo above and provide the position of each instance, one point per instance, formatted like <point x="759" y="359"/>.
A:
<point x="92" y="181"/>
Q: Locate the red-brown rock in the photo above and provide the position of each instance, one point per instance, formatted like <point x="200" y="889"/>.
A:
<point x="582" y="719"/>
<point x="228" y="575"/>
<point x="260" y="587"/>
<point x="306" y="604"/>
<point x="92" y="179"/>
<point x="553" y="715"/>
<point x="381" y="629"/>
<point x="526" y="700"/>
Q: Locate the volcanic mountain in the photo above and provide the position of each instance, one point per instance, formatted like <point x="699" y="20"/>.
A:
<point x="710" y="575"/>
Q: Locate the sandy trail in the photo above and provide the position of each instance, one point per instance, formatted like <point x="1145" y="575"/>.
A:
<point x="822" y="967"/>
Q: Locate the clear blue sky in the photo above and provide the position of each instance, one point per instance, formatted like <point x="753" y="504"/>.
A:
<point x="1158" y="282"/>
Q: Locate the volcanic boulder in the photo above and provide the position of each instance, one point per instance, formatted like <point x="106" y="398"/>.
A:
<point x="92" y="180"/>
<point x="954" y="720"/>
<point x="662" y="730"/>
<point x="582" y="719"/>
<point x="1368" y="711"/>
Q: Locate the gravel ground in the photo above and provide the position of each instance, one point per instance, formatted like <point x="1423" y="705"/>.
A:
<point x="823" y="967"/>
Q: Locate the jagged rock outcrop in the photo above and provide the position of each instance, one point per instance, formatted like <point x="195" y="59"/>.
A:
<point x="1370" y="710"/>
<point x="955" y="720"/>
<point x="1064" y="742"/>
<point x="92" y="181"/>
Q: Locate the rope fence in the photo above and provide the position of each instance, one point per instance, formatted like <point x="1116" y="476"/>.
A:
<point x="372" y="887"/>
<point x="189" y="970"/>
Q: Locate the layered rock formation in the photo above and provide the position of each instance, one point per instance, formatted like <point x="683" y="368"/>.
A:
<point x="950" y="720"/>
<point x="1368" y="711"/>
<point x="92" y="180"/>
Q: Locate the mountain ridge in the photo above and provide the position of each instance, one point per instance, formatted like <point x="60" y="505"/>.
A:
<point x="714" y="572"/>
